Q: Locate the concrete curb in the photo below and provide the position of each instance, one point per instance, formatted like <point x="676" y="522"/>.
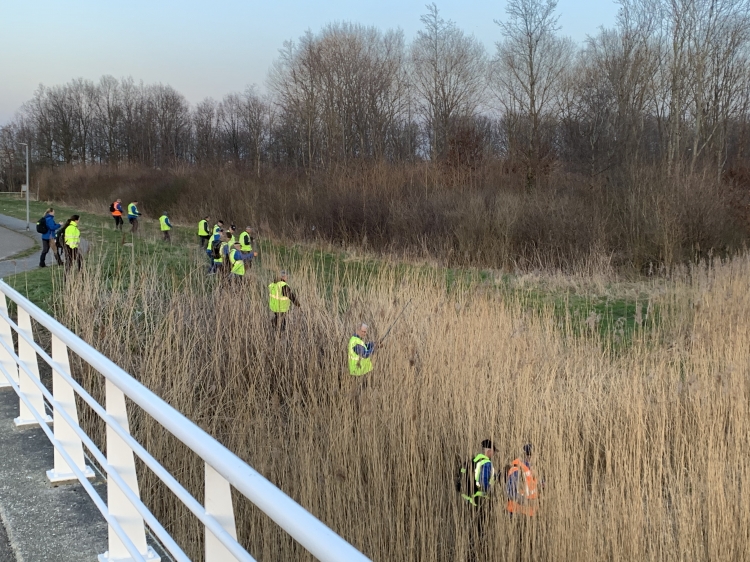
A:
<point x="16" y="244"/>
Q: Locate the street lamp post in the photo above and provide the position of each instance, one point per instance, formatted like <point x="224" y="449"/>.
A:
<point x="27" y="184"/>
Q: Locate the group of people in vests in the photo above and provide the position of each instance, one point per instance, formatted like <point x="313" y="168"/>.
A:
<point x="229" y="254"/>
<point x="477" y="481"/>
<point x="60" y="238"/>
<point x="115" y="209"/>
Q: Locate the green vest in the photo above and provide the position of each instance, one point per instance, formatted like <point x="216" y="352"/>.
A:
<point x="217" y="228"/>
<point x="276" y="300"/>
<point x="72" y="235"/>
<point x="245" y="241"/>
<point x="163" y="223"/>
<point x="132" y="210"/>
<point x="203" y="228"/>
<point x="358" y="366"/>
<point x="238" y="266"/>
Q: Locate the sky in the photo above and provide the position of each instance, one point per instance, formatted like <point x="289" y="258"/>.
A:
<point x="212" y="48"/>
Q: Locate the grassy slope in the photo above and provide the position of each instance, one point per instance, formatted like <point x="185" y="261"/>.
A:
<point x="612" y="309"/>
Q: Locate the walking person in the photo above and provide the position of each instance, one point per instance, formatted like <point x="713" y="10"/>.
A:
<point x="360" y="351"/>
<point x="48" y="238"/>
<point x="521" y="486"/>
<point x="133" y="215"/>
<point x="165" y="226"/>
<point x="215" y="248"/>
<point x="72" y="242"/>
<point x="237" y="263"/>
<point x="116" y="210"/>
<point x="203" y="234"/>
<point x="246" y="244"/>
<point x="480" y="480"/>
<point x="280" y="300"/>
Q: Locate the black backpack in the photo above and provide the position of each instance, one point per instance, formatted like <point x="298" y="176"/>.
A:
<point x="41" y="226"/>
<point x="216" y="249"/>
<point x="111" y="207"/>
<point x="464" y="479"/>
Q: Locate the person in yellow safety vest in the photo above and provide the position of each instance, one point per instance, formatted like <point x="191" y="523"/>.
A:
<point x="246" y="243"/>
<point x="165" y="226"/>
<point x="230" y="235"/>
<point x="215" y="247"/>
<point x="218" y="227"/>
<point x="237" y="262"/>
<point x="203" y="234"/>
<point x="133" y="214"/>
<point x="521" y="486"/>
<point x="72" y="240"/>
<point x="360" y="352"/>
<point x="482" y="479"/>
<point x="280" y="299"/>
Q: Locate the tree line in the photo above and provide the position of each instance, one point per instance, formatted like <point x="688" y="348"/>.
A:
<point x="669" y="84"/>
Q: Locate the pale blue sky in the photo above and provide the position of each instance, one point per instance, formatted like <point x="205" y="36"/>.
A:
<point x="210" y="48"/>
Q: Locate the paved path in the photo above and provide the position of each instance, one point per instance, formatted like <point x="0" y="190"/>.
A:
<point x="14" y="239"/>
<point x="43" y="522"/>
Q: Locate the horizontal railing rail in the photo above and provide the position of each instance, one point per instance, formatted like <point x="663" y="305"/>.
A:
<point x="124" y="511"/>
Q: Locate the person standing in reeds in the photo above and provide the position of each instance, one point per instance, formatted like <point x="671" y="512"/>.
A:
<point x="133" y="215"/>
<point x="521" y="486"/>
<point x="360" y="352"/>
<point x="237" y="259"/>
<point x="215" y="248"/>
<point x="72" y="241"/>
<point x="203" y="234"/>
<point x="165" y="226"/>
<point x="246" y="245"/>
<point x="280" y="299"/>
<point x="474" y="481"/>
<point x="116" y="210"/>
<point x="48" y="238"/>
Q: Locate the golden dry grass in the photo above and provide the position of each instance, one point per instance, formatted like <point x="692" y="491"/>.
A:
<point x="644" y="448"/>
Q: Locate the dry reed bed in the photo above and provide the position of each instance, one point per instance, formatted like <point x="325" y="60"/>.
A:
<point x="644" y="451"/>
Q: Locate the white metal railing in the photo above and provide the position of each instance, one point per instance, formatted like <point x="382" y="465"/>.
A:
<point x="124" y="511"/>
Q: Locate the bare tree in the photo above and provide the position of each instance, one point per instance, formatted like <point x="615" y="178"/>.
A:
<point x="529" y="68"/>
<point x="448" y="70"/>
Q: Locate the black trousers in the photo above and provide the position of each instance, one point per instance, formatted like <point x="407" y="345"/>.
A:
<point x="72" y="255"/>
<point x="279" y="321"/>
<point x="203" y="241"/>
<point x="118" y="221"/>
<point x="167" y="238"/>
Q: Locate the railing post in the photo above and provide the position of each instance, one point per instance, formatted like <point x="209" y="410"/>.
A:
<point x="6" y="334"/>
<point x="27" y="355"/>
<point x="120" y="458"/>
<point x="219" y="505"/>
<point x="64" y="433"/>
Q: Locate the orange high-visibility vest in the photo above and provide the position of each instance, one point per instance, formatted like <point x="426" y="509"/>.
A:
<point x="527" y="489"/>
<point x="116" y="212"/>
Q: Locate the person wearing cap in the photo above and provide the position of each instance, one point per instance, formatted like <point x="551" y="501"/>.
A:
<point x="215" y="247"/>
<point x="521" y="485"/>
<point x="203" y="234"/>
<point x="484" y="478"/>
<point x="280" y="300"/>
<point x="165" y="226"/>
<point x="360" y="351"/>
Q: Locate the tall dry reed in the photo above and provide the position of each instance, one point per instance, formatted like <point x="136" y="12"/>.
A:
<point x="644" y="449"/>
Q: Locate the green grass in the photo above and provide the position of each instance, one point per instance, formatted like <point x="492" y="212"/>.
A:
<point x="612" y="311"/>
